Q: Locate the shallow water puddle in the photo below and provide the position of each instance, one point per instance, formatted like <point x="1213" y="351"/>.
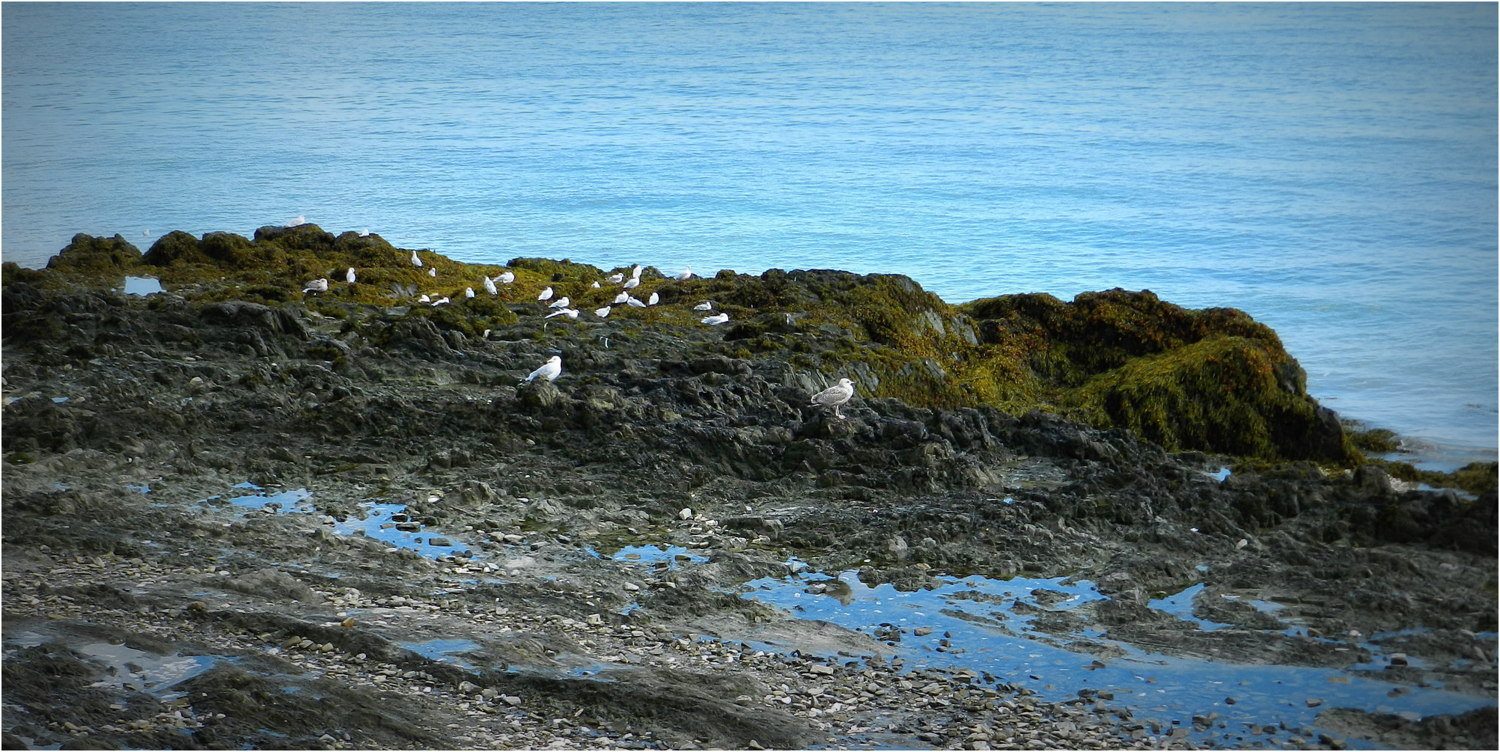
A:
<point x="142" y="286"/>
<point x="443" y="650"/>
<point x="1017" y="630"/>
<point x="390" y="523"/>
<point x="282" y="502"/>
<point x="151" y="673"/>
<point x="672" y="556"/>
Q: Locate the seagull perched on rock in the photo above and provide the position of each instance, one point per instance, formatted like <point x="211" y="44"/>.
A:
<point x="571" y="313"/>
<point x="300" y="220"/>
<point x="506" y="278"/>
<point x="415" y="259"/>
<point x="365" y="233"/>
<point x="715" y="319"/>
<point x="545" y="294"/>
<point x="685" y="274"/>
<point x="317" y="285"/>
<point x="632" y="283"/>
<point x="489" y="286"/>
<point x="707" y="305"/>
<point x="349" y="275"/>
<point x="549" y="370"/>
<point x="602" y="313"/>
<point x="834" y="396"/>
<point x="561" y="302"/>
<point x="615" y="278"/>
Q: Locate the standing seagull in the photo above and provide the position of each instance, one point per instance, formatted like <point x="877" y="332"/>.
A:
<point x="602" y="313"/>
<point x="653" y="300"/>
<point x="489" y="286"/>
<point x="561" y="302"/>
<point x="834" y="396"/>
<point x="549" y="370"/>
<point x="545" y="295"/>
<point x="468" y="292"/>
<point x="633" y="282"/>
<point x="685" y="274"/>
<point x="415" y="260"/>
<point x="349" y="275"/>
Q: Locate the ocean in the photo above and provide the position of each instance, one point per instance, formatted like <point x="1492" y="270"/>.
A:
<point x="1328" y="168"/>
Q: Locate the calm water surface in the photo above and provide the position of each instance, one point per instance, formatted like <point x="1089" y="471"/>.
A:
<point x="1329" y="168"/>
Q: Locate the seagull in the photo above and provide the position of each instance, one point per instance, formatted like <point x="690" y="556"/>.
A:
<point x="300" y="220"/>
<point x="633" y="282"/>
<point x="432" y="271"/>
<point x="571" y="313"/>
<point x="546" y="294"/>
<point x="707" y="305"/>
<point x="507" y="278"/>
<point x="549" y="370"/>
<point x="715" y="319"/>
<point x="615" y="278"/>
<point x="489" y="286"/>
<point x="685" y="274"/>
<point x="415" y="261"/>
<point x="468" y="292"/>
<point x="653" y="300"/>
<point x="636" y="272"/>
<point x="147" y="234"/>
<point x="594" y="286"/>
<point x="834" y="396"/>
<point x="622" y="297"/>
<point x="440" y="301"/>
<point x="349" y="275"/>
<point x="561" y="302"/>
<point x="634" y="303"/>
<point x="424" y="299"/>
<point x="365" y="233"/>
<point x="602" y="313"/>
<point x="317" y="285"/>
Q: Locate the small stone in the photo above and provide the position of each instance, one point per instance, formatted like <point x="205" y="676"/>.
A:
<point x="437" y="541"/>
<point x="1313" y="702"/>
<point x="632" y="587"/>
<point x="1399" y="659"/>
<point x="687" y="514"/>
<point x="820" y="669"/>
<point x="922" y="631"/>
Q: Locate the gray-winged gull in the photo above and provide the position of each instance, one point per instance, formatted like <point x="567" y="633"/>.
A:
<point x="715" y="319"/>
<point x="549" y="370"/>
<point x="834" y="396"/>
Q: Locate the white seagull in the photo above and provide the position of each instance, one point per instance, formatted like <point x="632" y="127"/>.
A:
<point x="685" y="274"/>
<point x="707" y="305"/>
<point x="441" y="301"/>
<point x="633" y="282"/>
<point x="507" y="278"/>
<point x="432" y="271"/>
<point x="317" y="285"/>
<point x="622" y="297"/>
<point x="633" y="302"/>
<point x="545" y="295"/>
<point x="349" y="275"/>
<point x="594" y="286"/>
<point x="468" y="292"/>
<point x="489" y="286"/>
<point x="834" y="396"/>
<point x="415" y="260"/>
<point x="571" y="313"/>
<point x="300" y="220"/>
<point x="615" y="278"/>
<point x="715" y="319"/>
<point x="424" y="299"/>
<point x="549" y="370"/>
<point x="602" y="313"/>
<point x="636" y="272"/>
<point x="561" y="302"/>
<point x="654" y="299"/>
<point x="365" y="233"/>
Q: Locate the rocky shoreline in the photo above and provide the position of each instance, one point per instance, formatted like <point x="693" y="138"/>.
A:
<point x="240" y="515"/>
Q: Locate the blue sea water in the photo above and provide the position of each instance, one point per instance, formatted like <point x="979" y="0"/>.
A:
<point x="1328" y="168"/>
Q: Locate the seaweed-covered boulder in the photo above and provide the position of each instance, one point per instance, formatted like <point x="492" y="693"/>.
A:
<point x="88" y="254"/>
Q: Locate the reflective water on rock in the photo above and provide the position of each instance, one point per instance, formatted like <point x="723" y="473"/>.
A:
<point x="390" y="523"/>
<point x="142" y="286"/>
<point x="1039" y="633"/>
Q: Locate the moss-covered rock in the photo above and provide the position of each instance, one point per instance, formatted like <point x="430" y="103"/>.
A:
<point x="87" y="254"/>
